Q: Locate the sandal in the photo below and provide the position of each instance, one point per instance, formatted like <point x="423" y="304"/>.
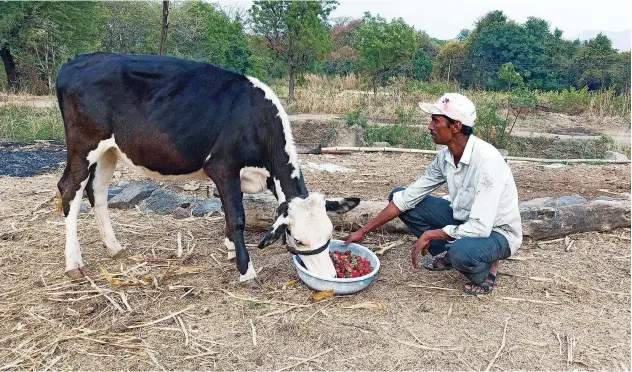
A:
<point x="443" y="261"/>
<point x="486" y="286"/>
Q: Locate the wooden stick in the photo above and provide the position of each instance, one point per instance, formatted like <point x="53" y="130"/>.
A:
<point x="502" y="346"/>
<point x="531" y="301"/>
<point x="116" y="305"/>
<point x="431" y="287"/>
<point x="254" y="333"/>
<point x="184" y="331"/>
<point x="306" y="360"/>
<point x="422" y="347"/>
<point x="153" y="359"/>
<point x="172" y="315"/>
<point x="326" y="150"/>
<point x="179" y="253"/>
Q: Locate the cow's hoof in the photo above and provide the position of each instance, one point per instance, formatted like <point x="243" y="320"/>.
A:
<point x="251" y="284"/>
<point x="121" y="253"/>
<point x="75" y="273"/>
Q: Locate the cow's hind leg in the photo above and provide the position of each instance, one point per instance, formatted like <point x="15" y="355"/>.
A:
<point x="105" y="166"/>
<point x="71" y="187"/>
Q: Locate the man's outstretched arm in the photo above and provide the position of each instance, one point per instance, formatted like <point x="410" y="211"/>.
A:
<point x="386" y="215"/>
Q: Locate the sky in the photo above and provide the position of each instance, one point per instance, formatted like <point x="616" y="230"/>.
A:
<point x="443" y="19"/>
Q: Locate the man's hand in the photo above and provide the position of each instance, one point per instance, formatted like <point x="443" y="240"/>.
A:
<point x="356" y="237"/>
<point x="423" y="244"/>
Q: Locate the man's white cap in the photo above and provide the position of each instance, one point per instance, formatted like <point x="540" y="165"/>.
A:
<point x="453" y="105"/>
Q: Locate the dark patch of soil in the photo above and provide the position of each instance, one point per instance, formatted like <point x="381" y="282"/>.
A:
<point x="27" y="160"/>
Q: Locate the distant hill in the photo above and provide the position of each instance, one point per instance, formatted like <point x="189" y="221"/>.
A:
<point x="621" y="40"/>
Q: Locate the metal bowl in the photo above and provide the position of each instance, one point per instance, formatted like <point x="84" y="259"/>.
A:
<point x="341" y="286"/>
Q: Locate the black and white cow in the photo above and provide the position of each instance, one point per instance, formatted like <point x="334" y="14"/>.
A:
<point x="174" y="118"/>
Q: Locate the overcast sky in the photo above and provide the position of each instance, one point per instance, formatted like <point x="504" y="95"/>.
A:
<point x="443" y="19"/>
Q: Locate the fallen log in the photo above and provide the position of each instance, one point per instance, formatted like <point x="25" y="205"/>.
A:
<point x="543" y="218"/>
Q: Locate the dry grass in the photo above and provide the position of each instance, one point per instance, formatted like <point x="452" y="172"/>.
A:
<point x="153" y="310"/>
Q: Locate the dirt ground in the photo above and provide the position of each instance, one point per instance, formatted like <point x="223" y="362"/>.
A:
<point x="553" y="308"/>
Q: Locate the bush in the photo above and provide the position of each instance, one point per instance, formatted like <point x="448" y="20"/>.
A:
<point x="356" y="117"/>
<point x="401" y="135"/>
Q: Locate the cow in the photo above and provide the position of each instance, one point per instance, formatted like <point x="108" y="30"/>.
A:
<point x="173" y="118"/>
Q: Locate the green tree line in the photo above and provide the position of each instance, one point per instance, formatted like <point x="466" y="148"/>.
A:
<point x="287" y="39"/>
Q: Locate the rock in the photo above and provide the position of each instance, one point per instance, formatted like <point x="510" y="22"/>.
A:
<point x="381" y="144"/>
<point x="554" y="165"/>
<point x="113" y="191"/>
<point x="131" y="195"/>
<point x="349" y="136"/>
<point x="328" y="167"/>
<point x="569" y="200"/>
<point x="617" y="156"/>
<point x="207" y="207"/>
<point x="85" y="208"/>
<point x="164" y="201"/>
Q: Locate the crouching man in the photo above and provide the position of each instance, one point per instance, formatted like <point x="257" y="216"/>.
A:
<point x="480" y="225"/>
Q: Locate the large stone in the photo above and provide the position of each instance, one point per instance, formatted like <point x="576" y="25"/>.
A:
<point x="205" y="207"/>
<point x="131" y="195"/>
<point x="113" y="191"/>
<point x="349" y="136"/>
<point x="611" y="155"/>
<point x="164" y="201"/>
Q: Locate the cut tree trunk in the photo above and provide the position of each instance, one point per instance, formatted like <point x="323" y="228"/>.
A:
<point x="9" y="68"/>
<point x="292" y="77"/>
<point x="165" y="26"/>
<point x="545" y="218"/>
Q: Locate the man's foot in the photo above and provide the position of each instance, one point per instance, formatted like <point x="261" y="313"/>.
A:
<point x="487" y="286"/>
<point x="438" y="264"/>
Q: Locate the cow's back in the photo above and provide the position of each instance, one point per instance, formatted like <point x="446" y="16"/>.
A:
<point x="165" y="113"/>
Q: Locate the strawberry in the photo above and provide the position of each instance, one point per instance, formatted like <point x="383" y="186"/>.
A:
<point x="347" y="253"/>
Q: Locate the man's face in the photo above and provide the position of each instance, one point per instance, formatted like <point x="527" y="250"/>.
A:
<point x="440" y="132"/>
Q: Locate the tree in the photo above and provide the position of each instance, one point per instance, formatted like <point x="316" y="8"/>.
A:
<point x="463" y="35"/>
<point x="450" y="61"/>
<point x="201" y="32"/>
<point x="165" y="26"/>
<point x="37" y="37"/>
<point x="384" y="46"/>
<point x="127" y="29"/>
<point x="508" y="74"/>
<point x="296" y="31"/>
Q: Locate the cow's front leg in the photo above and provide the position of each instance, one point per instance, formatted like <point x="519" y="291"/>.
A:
<point x="229" y="188"/>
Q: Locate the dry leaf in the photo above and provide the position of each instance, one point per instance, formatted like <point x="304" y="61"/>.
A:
<point x="368" y="305"/>
<point x="116" y="282"/>
<point x="183" y="270"/>
<point x="385" y="247"/>
<point x="191" y="186"/>
<point x="323" y="295"/>
<point x="290" y="283"/>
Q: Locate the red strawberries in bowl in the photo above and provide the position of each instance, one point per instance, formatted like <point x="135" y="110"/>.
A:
<point x="350" y="265"/>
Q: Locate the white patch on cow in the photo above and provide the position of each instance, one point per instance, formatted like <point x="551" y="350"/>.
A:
<point x="281" y="220"/>
<point x="253" y="179"/>
<point x="110" y="143"/>
<point x="102" y="175"/>
<point x="250" y="274"/>
<point x="290" y="149"/>
<point x="310" y="225"/>
<point x="320" y="264"/>
<point x="279" y="191"/>
<point x="73" y="251"/>
<point x="230" y="247"/>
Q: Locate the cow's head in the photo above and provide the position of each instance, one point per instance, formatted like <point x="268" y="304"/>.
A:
<point x="308" y="229"/>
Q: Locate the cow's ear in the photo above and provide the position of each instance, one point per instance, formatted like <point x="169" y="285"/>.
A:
<point x="341" y="205"/>
<point x="275" y="232"/>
